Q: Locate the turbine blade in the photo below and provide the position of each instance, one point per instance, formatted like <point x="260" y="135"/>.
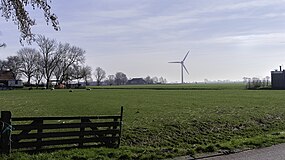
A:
<point x="185" y="56"/>
<point x="185" y="68"/>
<point x="174" y="62"/>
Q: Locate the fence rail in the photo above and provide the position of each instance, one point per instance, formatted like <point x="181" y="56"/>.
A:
<point x="41" y="133"/>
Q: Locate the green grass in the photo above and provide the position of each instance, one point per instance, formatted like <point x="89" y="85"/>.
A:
<point x="199" y="86"/>
<point x="163" y="121"/>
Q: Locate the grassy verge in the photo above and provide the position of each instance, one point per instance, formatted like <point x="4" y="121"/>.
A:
<point x="123" y="153"/>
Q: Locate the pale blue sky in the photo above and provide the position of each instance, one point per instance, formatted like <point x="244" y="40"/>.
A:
<point x="228" y="39"/>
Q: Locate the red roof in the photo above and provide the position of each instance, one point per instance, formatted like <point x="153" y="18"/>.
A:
<point x="6" y="75"/>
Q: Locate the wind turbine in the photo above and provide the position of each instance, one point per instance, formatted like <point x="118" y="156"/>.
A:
<point x="182" y="66"/>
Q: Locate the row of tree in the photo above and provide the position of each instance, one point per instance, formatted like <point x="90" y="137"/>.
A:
<point x="52" y="59"/>
<point x="255" y="83"/>
<point x="155" y="80"/>
<point x="120" y="78"/>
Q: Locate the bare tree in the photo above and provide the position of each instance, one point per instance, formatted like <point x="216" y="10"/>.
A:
<point x="267" y="80"/>
<point x="100" y="74"/>
<point x="49" y="55"/>
<point x="16" y="11"/>
<point x="39" y="72"/>
<point x="120" y="78"/>
<point x="69" y="55"/>
<point x="75" y="72"/>
<point x="148" y="80"/>
<point x="28" y="58"/>
<point x="58" y="73"/>
<point x="13" y="63"/>
<point x="154" y="80"/>
<point x="110" y="80"/>
<point x="86" y="74"/>
<point x="206" y="80"/>
<point x="162" y="80"/>
<point x="245" y="79"/>
<point x="60" y="67"/>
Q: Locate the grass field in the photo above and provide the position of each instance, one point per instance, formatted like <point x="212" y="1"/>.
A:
<point x="165" y="120"/>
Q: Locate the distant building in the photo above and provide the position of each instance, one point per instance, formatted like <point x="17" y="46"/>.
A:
<point x="8" y="81"/>
<point x="136" y="81"/>
<point x="278" y="79"/>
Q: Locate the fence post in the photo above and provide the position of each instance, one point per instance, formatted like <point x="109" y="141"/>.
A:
<point x="121" y="125"/>
<point x="6" y="132"/>
<point x="40" y="123"/>
<point x="82" y="129"/>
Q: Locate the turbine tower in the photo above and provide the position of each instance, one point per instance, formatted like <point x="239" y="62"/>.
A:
<point x="182" y="66"/>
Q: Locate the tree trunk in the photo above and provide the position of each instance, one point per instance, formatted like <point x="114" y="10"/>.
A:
<point x="47" y="84"/>
<point x="29" y="81"/>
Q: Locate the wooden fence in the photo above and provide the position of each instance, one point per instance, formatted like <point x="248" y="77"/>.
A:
<point x="49" y="133"/>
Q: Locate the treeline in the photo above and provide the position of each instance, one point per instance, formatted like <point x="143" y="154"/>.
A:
<point x="256" y="83"/>
<point x="121" y="78"/>
<point x="62" y="62"/>
<point x="52" y="59"/>
<point x="155" y="80"/>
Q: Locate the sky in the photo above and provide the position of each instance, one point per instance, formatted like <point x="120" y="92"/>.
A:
<point x="227" y="39"/>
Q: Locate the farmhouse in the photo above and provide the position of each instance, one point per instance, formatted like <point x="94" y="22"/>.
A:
<point x="278" y="79"/>
<point x="7" y="80"/>
<point x="136" y="81"/>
